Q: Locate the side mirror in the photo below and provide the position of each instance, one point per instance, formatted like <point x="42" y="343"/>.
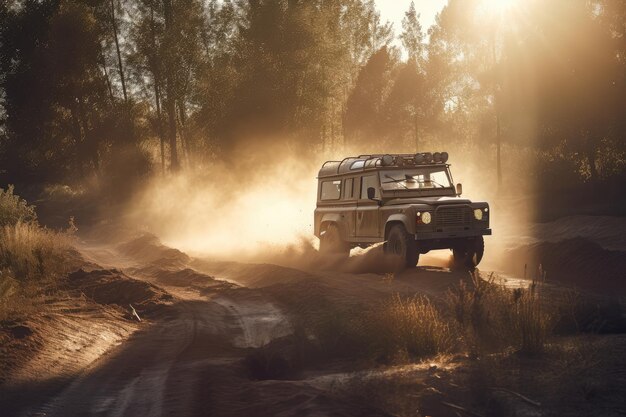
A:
<point x="371" y="193"/>
<point x="459" y="189"/>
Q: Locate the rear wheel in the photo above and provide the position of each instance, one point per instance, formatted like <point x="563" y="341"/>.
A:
<point x="402" y="245"/>
<point x="332" y="243"/>
<point x="469" y="254"/>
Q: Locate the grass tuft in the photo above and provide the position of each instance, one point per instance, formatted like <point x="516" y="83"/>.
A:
<point x="30" y="256"/>
<point x="493" y="316"/>
<point x="409" y="327"/>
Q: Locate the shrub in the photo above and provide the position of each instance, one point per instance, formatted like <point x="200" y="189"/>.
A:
<point x="14" y="209"/>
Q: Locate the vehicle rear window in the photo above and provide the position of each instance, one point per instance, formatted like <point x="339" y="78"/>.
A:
<point x="331" y="190"/>
<point x="347" y="189"/>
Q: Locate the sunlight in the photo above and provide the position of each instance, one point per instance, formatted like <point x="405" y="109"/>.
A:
<point x="497" y="7"/>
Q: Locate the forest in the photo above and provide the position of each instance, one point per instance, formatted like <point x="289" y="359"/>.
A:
<point x="167" y="250"/>
<point x="117" y="91"/>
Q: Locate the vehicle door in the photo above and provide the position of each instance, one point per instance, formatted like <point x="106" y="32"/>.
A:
<point x="350" y="195"/>
<point x="367" y="211"/>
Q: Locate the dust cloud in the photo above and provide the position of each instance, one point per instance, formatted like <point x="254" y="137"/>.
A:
<point x="235" y="209"/>
<point x="259" y="207"/>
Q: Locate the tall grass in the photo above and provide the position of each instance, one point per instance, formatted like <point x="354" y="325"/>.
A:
<point x="493" y="316"/>
<point x="410" y="327"/>
<point x="30" y="255"/>
<point x="29" y="252"/>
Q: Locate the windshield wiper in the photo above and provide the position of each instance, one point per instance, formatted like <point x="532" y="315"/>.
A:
<point x="397" y="181"/>
<point x="436" y="183"/>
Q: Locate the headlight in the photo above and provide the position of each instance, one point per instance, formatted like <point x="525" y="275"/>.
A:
<point x="478" y="214"/>
<point x="426" y="218"/>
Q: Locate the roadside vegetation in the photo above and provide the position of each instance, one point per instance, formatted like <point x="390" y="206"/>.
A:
<point x="478" y="316"/>
<point x="479" y="346"/>
<point x="31" y="257"/>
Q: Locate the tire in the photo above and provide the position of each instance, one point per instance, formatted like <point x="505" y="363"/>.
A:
<point x="470" y="254"/>
<point x="402" y="244"/>
<point x="332" y="243"/>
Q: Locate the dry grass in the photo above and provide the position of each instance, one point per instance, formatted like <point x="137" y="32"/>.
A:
<point x="411" y="328"/>
<point x="30" y="256"/>
<point x="29" y="252"/>
<point x="493" y="316"/>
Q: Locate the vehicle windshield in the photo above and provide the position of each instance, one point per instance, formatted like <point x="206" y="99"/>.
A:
<point x="423" y="178"/>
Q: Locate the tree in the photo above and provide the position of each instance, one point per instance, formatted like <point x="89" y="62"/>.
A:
<point x="412" y="36"/>
<point x="364" y="120"/>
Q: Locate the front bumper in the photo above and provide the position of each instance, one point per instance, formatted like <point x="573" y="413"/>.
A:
<point x="451" y="234"/>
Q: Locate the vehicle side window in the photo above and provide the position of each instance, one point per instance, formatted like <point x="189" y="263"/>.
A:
<point x="347" y="189"/>
<point x="369" y="181"/>
<point x="331" y="190"/>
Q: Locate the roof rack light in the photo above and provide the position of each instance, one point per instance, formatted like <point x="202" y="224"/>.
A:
<point x="387" y="160"/>
<point x="429" y="158"/>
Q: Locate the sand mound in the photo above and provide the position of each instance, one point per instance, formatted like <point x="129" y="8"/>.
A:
<point x="251" y="275"/>
<point x="148" y="248"/>
<point x="577" y="261"/>
<point x="608" y="232"/>
<point x="183" y="278"/>
<point x="110" y="286"/>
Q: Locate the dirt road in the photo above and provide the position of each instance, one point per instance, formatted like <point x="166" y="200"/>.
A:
<point x="187" y="357"/>
<point x="187" y="360"/>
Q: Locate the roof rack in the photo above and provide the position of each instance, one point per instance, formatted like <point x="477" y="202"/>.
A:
<point x="373" y="161"/>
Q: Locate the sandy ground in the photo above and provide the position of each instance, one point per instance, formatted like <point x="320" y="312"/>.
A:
<point x="89" y="357"/>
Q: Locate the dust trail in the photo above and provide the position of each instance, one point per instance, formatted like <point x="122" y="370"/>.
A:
<point x="233" y="210"/>
<point x="258" y="207"/>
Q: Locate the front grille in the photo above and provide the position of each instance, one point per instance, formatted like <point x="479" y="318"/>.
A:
<point x="453" y="216"/>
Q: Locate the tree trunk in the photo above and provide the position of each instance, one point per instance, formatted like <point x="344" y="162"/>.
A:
<point x="590" y="152"/>
<point x="117" y="48"/>
<point x="416" y="132"/>
<point x="90" y="146"/>
<point x="498" y="150"/>
<point x="157" y="99"/>
<point x="182" y="114"/>
<point x="106" y="75"/>
<point x="170" y="90"/>
<point x="497" y="111"/>
<point x="157" y="89"/>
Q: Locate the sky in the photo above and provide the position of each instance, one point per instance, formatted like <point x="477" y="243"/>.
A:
<point x="393" y="11"/>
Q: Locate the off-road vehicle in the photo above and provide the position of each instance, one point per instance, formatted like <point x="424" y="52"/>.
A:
<point x="407" y="201"/>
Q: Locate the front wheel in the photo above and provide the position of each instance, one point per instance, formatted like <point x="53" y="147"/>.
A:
<point x="332" y="243"/>
<point x="469" y="254"/>
<point x="402" y="245"/>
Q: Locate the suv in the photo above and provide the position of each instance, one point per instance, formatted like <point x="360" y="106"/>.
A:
<point x="407" y="201"/>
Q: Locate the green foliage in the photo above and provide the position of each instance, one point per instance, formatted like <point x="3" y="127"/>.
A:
<point x="14" y="209"/>
<point x="87" y="87"/>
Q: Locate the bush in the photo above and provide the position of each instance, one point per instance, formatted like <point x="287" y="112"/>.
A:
<point x="13" y="209"/>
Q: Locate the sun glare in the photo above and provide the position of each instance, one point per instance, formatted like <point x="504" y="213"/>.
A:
<point x="497" y="6"/>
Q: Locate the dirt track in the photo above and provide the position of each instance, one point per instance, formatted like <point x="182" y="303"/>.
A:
<point x="203" y="318"/>
<point x="187" y="359"/>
